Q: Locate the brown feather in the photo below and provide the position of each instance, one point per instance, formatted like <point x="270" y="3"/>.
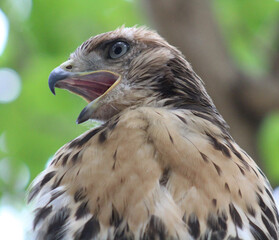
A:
<point x="162" y="166"/>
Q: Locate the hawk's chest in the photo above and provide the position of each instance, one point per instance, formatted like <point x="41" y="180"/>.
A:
<point x="152" y="173"/>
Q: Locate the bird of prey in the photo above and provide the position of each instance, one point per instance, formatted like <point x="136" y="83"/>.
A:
<point x="163" y="164"/>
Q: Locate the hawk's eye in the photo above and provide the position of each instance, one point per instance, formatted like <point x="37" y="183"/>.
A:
<point x="118" y="49"/>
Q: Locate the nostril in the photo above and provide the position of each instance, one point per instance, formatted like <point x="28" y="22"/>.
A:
<point x="69" y="67"/>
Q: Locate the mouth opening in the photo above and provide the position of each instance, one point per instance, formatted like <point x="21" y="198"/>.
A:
<point x="90" y="85"/>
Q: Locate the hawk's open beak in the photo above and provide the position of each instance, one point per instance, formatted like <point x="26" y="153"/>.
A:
<point x="92" y="86"/>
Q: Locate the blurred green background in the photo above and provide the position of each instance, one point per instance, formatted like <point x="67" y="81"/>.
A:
<point x="41" y="34"/>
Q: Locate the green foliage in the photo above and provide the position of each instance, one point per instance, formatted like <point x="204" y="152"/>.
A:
<point x="269" y="146"/>
<point x="249" y="27"/>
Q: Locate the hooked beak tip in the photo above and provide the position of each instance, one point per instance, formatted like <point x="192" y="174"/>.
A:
<point x="56" y="75"/>
<point x="53" y="91"/>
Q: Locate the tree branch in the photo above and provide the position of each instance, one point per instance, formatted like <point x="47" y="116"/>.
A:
<point x="257" y="97"/>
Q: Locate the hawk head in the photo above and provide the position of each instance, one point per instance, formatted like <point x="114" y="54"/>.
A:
<point x="131" y="67"/>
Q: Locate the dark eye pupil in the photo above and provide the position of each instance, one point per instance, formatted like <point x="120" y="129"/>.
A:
<point x="118" y="50"/>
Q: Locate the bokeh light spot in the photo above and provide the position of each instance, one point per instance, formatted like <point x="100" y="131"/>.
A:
<point x="23" y="176"/>
<point x="5" y="170"/>
<point x="11" y="225"/>
<point x="22" y="8"/>
<point x="4" y="29"/>
<point x="10" y="85"/>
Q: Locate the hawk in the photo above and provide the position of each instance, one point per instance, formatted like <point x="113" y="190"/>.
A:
<point x="163" y="164"/>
